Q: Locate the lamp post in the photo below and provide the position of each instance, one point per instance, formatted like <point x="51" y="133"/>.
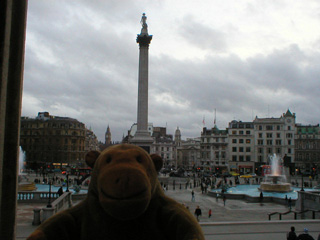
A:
<point x="67" y="182"/>
<point x="49" y="203"/>
<point x="302" y="182"/>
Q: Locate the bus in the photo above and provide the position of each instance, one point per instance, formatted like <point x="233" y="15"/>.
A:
<point x="79" y="171"/>
<point x="265" y="170"/>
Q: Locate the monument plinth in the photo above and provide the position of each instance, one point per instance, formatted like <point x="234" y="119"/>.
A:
<point x="142" y="137"/>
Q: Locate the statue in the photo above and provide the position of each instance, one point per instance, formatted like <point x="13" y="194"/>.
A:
<point x="144" y="24"/>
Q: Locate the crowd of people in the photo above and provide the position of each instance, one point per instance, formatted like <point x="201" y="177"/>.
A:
<point x="303" y="236"/>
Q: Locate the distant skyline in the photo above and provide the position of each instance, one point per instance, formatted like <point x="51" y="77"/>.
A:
<point x="243" y="58"/>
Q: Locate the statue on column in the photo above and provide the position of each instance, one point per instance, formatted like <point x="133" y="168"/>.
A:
<point x="144" y="24"/>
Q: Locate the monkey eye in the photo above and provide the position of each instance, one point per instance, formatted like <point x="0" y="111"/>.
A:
<point x="108" y="160"/>
<point x="139" y="159"/>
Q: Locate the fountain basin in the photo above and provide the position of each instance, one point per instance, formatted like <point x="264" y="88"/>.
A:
<point x="275" y="183"/>
<point x="275" y="187"/>
<point x="27" y="186"/>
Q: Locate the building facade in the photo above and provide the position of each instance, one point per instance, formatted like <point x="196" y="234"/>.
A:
<point x="164" y="146"/>
<point x="214" y="150"/>
<point x="274" y="136"/>
<point x="188" y="153"/>
<point x="307" y="148"/>
<point x="54" y="142"/>
<point x="91" y="141"/>
<point x="244" y="147"/>
<point x="241" y="147"/>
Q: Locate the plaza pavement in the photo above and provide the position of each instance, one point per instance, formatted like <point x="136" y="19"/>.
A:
<point x="237" y="220"/>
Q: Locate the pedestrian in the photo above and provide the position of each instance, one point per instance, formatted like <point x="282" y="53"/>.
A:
<point x="290" y="203"/>
<point x="224" y="200"/>
<point x="60" y="191"/>
<point x="192" y="196"/>
<point x="305" y="235"/>
<point x="198" y="213"/>
<point x="210" y="212"/>
<point x="292" y="234"/>
<point x="261" y="198"/>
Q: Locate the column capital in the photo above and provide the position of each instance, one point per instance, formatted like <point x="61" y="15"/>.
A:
<point x="144" y="40"/>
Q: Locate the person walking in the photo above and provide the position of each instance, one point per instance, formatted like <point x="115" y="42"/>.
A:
<point x="305" y="235"/>
<point x="224" y="200"/>
<point x="292" y="234"/>
<point x="261" y="198"/>
<point x="210" y="212"/>
<point x="198" y="213"/>
<point x="290" y="203"/>
<point x="192" y="196"/>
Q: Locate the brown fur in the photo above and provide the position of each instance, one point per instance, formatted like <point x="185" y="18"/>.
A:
<point x="125" y="201"/>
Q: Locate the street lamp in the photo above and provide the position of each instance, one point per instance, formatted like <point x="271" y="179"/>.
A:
<point x="67" y="182"/>
<point x="302" y="182"/>
<point x="49" y="203"/>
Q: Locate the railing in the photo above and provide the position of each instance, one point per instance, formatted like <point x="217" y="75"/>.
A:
<point x="296" y="213"/>
<point x="35" y="197"/>
<point x="58" y="203"/>
<point x="61" y="203"/>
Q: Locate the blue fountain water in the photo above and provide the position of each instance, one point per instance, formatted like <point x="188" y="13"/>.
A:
<point x="252" y="190"/>
<point x="45" y="188"/>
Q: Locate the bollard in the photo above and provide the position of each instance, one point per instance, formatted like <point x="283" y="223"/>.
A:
<point x="36" y="217"/>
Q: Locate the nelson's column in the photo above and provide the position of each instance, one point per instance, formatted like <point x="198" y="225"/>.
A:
<point x="142" y="137"/>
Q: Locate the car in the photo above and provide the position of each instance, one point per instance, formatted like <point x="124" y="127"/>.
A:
<point x="306" y="173"/>
<point x="249" y="175"/>
<point x="165" y="170"/>
<point x="178" y="173"/>
<point x="226" y="174"/>
<point x="234" y="174"/>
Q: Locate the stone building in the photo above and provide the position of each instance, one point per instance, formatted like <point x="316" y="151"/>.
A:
<point x="307" y="148"/>
<point x="214" y="150"/>
<point x="108" y="136"/>
<point x="164" y="146"/>
<point x="274" y="136"/>
<point x="91" y="141"/>
<point x="188" y="153"/>
<point x="241" y="147"/>
<point x="52" y="141"/>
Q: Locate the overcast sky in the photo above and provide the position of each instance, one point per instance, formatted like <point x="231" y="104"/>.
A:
<point x="243" y="58"/>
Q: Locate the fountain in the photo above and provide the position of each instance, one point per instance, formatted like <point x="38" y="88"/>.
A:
<point x="276" y="181"/>
<point x="23" y="181"/>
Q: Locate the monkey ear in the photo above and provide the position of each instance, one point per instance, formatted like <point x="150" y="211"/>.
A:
<point x="91" y="158"/>
<point x="157" y="161"/>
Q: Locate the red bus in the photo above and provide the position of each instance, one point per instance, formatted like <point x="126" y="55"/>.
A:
<point x="265" y="170"/>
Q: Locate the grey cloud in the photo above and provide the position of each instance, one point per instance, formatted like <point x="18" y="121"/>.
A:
<point x="95" y="73"/>
<point x="201" y="35"/>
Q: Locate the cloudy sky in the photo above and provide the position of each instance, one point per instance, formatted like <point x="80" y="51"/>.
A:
<point x="243" y="58"/>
